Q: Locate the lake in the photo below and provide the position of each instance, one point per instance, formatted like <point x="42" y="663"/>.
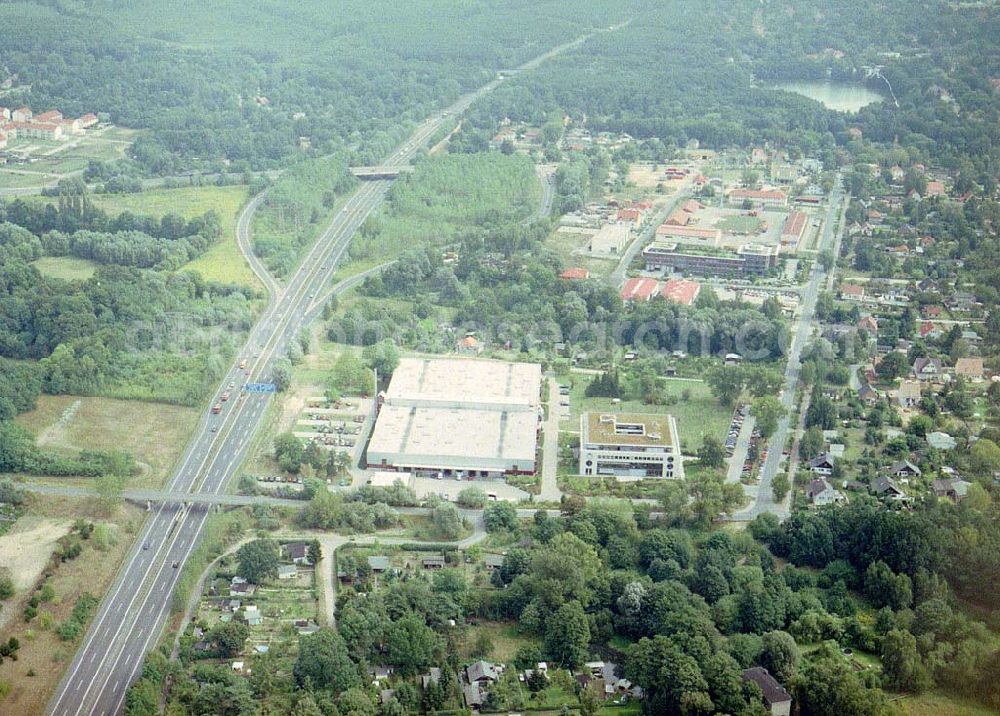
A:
<point x="839" y="96"/>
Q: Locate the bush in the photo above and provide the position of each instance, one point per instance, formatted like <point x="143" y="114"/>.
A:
<point x="472" y="497"/>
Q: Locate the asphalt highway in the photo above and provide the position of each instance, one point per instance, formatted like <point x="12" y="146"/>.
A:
<point x="135" y="609"/>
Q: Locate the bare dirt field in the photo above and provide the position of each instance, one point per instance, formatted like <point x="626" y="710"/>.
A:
<point x="25" y="551"/>
<point x="43" y="655"/>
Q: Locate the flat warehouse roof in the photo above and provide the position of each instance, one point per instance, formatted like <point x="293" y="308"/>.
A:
<point x="452" y="382"/>
<point x="418" y="435"/>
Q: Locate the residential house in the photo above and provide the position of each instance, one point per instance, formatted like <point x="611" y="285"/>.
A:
<point x="970" y="368"/>
<point x="305" y="627"/>
<point x="575" y="274"/>
<point x="820" y="493"/>
<point x="240" y="587"/>
<point x="435" y="561"/>
<point x="868" y="395"/>
<point x="297" y="552"/>
<point x="904" y="468"/>
<point x="887" y="488"/>
<point x="822" y="464"/>
<point x="476" y="679"/>
<point x="869" y="324"/>
<point x="929" y="331"/>
<point x="639" y="289"/>
<point x="493" y="561"/>
<point x="379" y="673"/>
<point x="251" y="616"/>
<point x="433" y="676"/>
<point x="469" y="345"/>
<point x="852" y="292"/>
<point x="954" y="488"/>
<point x="776" y="698"/>
<point x="961" y="301"/>
<point x="925" y="368"/>
<point x="908" y="395"/>
<point x="931" y="311"/>
<point x="934" y="188"/>
<point x="378" y="564"/>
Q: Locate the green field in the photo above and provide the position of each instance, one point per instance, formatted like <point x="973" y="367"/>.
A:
<point x="187" y="202"/>
<point x="698" y="416"/>
<point x="223" y="262"/>
<point x="68" y="268"/>
<point x="936" y="703"/>
<point x="740" y="224"/>
<point x="51" y="160"/>
<point x="154" y="432"/>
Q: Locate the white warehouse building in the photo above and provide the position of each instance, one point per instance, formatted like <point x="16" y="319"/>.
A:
<point x="630" y="447"/>
<point x="458" y="417"/>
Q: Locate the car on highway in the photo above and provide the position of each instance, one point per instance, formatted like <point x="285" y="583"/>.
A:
<point x="145" y="545"/>
<point x="243" y="364"/>
<point x="225" y="395"/>
<point x="217" y="408"/>
<point x="176" y="564"/>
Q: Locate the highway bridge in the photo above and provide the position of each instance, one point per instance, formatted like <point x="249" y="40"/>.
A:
<point x="383" y="172"/>
<point x="134" y="611"/>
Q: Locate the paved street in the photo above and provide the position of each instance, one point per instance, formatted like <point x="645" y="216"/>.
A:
<point x="132" y="614"/>
<point x="550" y="451"/>
<point x="802" y="331"/>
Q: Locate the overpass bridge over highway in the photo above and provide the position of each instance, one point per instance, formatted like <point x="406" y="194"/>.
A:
<point x="381" y="172"/>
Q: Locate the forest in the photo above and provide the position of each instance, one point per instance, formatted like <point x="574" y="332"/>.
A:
<point x="237" y="84"/>
<point x="682" y="609"/>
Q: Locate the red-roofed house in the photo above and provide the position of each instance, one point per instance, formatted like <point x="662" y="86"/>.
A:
<point x="931" y="311"/>
<point x="928" y="330"/>
<point x="50" y="117"/>
<point x="23" y="114"/>
<point x="639" y="289"/>
<point x="852" y="292"/>
<point x="575" y="274"/>
<point x="935" y="188"/>
<point x="869" y="323"/>
<point x="681" y="291"/>
<point x="794" y="227"/>
<point x="691" y="206"/>
<point x="88" y="120"/>
<point x="678" y="218"/>
<point x="3" y="139"/>
<point x="632" y="216"/>
<point x="770" y="197"/>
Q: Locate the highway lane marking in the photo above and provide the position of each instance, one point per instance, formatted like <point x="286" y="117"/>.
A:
<point x="207" y="445"/>
<point x="123" y="622"/>
<point x="305" y="279"/>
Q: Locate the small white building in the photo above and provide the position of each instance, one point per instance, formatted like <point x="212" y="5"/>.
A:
<point x="610" y="240"/>
<point x="630" y="447"/>
<point x="820" y="493"/>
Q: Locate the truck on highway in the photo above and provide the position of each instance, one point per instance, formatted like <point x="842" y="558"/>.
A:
<point x="217" y="408"/>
